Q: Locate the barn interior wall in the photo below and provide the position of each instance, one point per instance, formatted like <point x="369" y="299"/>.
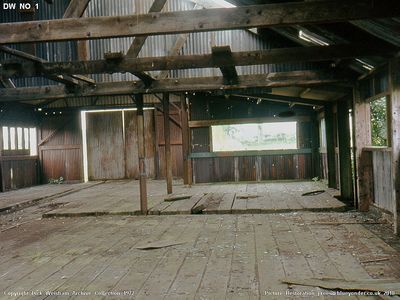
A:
<point x="176" y="143"/>
<point x="60" y="151"/>
<point x="243" y="167"/>
<point x="374" y="164"/>
<point x="18" y="169"/>
<point x="112" y="149"/>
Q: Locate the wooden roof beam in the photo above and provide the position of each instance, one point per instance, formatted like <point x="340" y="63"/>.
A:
<point x="300" y="78"/>
<point x="272" y="56"/>
<point x="65" y="79"/>
<point x="75" y="9"/>
<point x="266" y="15"/>
<point x="283" y="99"/>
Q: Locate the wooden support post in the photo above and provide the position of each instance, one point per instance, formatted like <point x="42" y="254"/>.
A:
<point x="167" y="139"/>
<point x="236" y="168"/>
<point x="142" y="154"/>
<point x="394" y="83"/>
<point x="330" y="146"/>
<point x="187" y="165"/>
<point x="366" y="181"/>
<point x="362" y="138"/>
<point x="315" y="148"/>
<point x="346" y="178"/>
<point x="156" y="146"/>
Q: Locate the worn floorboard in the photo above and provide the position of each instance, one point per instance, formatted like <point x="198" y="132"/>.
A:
<point x="242" y="256"/>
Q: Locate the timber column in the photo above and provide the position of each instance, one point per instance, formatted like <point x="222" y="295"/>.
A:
<point x="187" y="165"/>
<point x="142" y="154"/>
<point x="330" y="145"/>
<point x="346" y="178"/>
<point x="167" y="139"/>
<point x="394" y="116"/>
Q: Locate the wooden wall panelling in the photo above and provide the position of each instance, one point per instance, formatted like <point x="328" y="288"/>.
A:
<point x="19" y="173"/>
<point x="131" y="145"/>
<point x="366" y="178"/>
<point x="382" y="173"/>
<point x="105" y="144"/>
<point x="61" y="154"/>
<point x="362" y="138"/>
<point x="176" y="144"/>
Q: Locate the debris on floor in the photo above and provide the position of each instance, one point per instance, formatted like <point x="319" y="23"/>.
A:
<point x="313" y="193"/>
<point x="370" y="285"/>
<point x="246" y="196"/>
<point x="158" y="245"/>
<point x="177" y="197"/>
<point x="348" y="223"/>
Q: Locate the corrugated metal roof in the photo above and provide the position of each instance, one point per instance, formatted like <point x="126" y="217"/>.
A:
<point x="196" y="43"/>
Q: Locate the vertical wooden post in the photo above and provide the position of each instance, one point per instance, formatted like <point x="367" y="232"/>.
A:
<point x="315" y="147"/>
<point x="366" y="184"/>
<point x="82" y="50"/>
<point x="167" y="139"/>
<point x="394" y="117"/>
<point x="142" y="153"/>
<point x="346" y="178"/>
<point x="236" y="168"/>
<point x="187" y="174"/>
<point x="362" y="138"/>
<point x="330" y="146"/>
<point x="156" y="145"/>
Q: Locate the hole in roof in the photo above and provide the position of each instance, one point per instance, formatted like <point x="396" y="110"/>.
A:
<point x="308" y="37"/>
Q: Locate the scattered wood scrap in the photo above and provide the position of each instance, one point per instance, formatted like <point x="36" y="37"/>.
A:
<point x="177" y="198"/>
<point x="370" y="285"/>
<point x="314" y="193"/>
<point x="374" y="260"/>
<point x="246" y="196"/>
<point x="346" y="223"/>
<point x="158" y="245"/>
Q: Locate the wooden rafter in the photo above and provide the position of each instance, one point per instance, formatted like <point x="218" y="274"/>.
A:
<point x="37" y="61"/>
<point x="138" y="44"/>
<point x="75" y="9"/>
<point x="282" y="79"/>
<point x="267" y="15"/>
<point x="7" y="82"/>
<point x="272" y="56"/>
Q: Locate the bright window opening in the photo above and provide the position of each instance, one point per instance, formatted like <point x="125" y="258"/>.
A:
<point x="379" y="135"/>
<point x="26" y="138"/>
<point x="248" y="137"/>
<point x="33" y="141"/>
<point x="12" y="138"/>
<point x="20" y="138"/>
<point x="6" y="138"/>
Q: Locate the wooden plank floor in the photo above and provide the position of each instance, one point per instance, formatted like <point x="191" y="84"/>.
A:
<point x="25" y="197"/>
<point x="220" y="256"/>
<point x="122" y="198"/>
